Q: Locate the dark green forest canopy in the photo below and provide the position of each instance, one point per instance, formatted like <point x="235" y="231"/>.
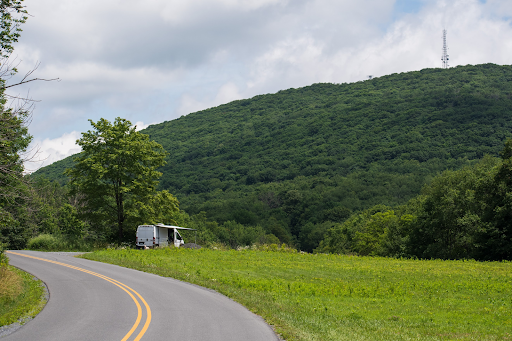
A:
<point x="316" y="154"/>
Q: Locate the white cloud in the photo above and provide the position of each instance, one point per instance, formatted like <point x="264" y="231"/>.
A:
<point x="47" y="151"/>
<point x="412" y="43"/>
<point x="226" y="93"/>
<point x="294" y="61"/>
<point x="183" y="12"/>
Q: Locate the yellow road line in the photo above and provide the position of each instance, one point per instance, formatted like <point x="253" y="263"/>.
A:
<point x="117" y="283"/>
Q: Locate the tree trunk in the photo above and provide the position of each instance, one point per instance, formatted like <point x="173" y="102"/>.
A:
<point x="120" y="215"/>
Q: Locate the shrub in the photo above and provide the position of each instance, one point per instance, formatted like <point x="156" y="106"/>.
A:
<point x="3" y="258"/>
<point x="44" y="242"/>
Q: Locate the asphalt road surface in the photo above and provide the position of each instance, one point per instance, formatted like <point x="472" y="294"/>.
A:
<point x="96" y="301"/>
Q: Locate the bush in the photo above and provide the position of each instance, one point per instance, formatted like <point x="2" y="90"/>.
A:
<point x="45" y="242"/>
<point x="49" y="242"/>
<point x="3" y="258"/>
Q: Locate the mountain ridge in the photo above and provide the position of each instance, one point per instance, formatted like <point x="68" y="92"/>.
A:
<point x="302" y="158"/>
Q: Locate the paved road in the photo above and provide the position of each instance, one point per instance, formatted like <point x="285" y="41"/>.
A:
<point x="85" y="304"/>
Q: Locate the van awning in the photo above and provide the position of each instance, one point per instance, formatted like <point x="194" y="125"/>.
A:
<point x="175" y="227"/>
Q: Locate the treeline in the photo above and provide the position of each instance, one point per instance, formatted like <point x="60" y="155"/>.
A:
<point x="44" y="208"/>
<point x="52" y="218"/>
<point x="459" y="214"/>
<point x="462" y="214"/>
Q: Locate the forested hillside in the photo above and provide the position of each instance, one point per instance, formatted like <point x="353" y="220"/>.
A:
<point x="298" y="161"/>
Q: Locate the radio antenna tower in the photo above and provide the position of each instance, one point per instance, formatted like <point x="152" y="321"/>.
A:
<point x="445" y="58"/>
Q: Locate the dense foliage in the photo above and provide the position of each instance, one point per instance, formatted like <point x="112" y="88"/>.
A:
<point x="298" y="161"/>
<point x="461" y="214"/>
<point x="14" y="137"/>
<point x="14" y="140"/>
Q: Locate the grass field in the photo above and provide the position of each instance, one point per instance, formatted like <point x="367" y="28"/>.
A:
<point x="20" y="295"/>
<point x="332" y="297"/>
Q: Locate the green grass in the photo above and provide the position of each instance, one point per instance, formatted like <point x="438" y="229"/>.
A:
<point x="21" y="296"/>
<point x="332" y="297"/>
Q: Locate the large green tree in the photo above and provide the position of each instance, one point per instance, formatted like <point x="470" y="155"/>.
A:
<point x="14" y="137"/>
<point x="495" y="242"/>
<point x="116" y="175"/>
<point x="452" y="213"/>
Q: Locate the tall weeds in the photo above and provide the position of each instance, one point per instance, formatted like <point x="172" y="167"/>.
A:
<point x="10" y="284"/>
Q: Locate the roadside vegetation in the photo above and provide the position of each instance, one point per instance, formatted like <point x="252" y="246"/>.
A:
<point x="49" y="242"/>
<point x="341" y="297"/>
<point x="21" y="296"/>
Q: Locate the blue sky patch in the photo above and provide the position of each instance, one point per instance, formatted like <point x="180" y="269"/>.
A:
<point x="408" y="6"/>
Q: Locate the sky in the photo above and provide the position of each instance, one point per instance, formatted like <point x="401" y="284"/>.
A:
<point x="151" y="61"/>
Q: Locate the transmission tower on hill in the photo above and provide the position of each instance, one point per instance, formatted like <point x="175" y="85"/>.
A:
<point x="445" y="58"/>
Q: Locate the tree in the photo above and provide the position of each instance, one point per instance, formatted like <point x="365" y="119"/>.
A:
<point x="116" y="173"/>
<point x="15" y="194"/>
<point x="14" y="137"/>
<point x="495" y="242"/>
<point x="12" y="14"/>
<point x="163" y="207"/>
<point x="361" y="233"/>
<point x="69" y="223"/>
<point x="456" y="211"/>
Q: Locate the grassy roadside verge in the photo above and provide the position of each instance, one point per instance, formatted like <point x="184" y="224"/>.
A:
<point x="20" y="295"/>
<point x="331" y="297"/>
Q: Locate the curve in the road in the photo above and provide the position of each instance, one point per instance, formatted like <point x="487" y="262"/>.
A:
<point x="123" y="286"/>
<point x="83" y="307"/>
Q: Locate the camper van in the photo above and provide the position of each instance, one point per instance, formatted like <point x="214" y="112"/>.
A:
<point x="149" y="236"/>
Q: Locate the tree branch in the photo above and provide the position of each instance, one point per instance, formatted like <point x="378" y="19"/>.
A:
<point x="30" y="80"/>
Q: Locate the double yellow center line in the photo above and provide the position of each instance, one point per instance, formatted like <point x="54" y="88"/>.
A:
<point x="124" y="287"/>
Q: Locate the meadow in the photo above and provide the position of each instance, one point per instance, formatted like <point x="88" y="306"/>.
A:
<point x="339" y="297"/>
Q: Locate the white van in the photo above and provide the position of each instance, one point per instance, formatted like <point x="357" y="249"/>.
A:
<point x="159" y="235"/>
